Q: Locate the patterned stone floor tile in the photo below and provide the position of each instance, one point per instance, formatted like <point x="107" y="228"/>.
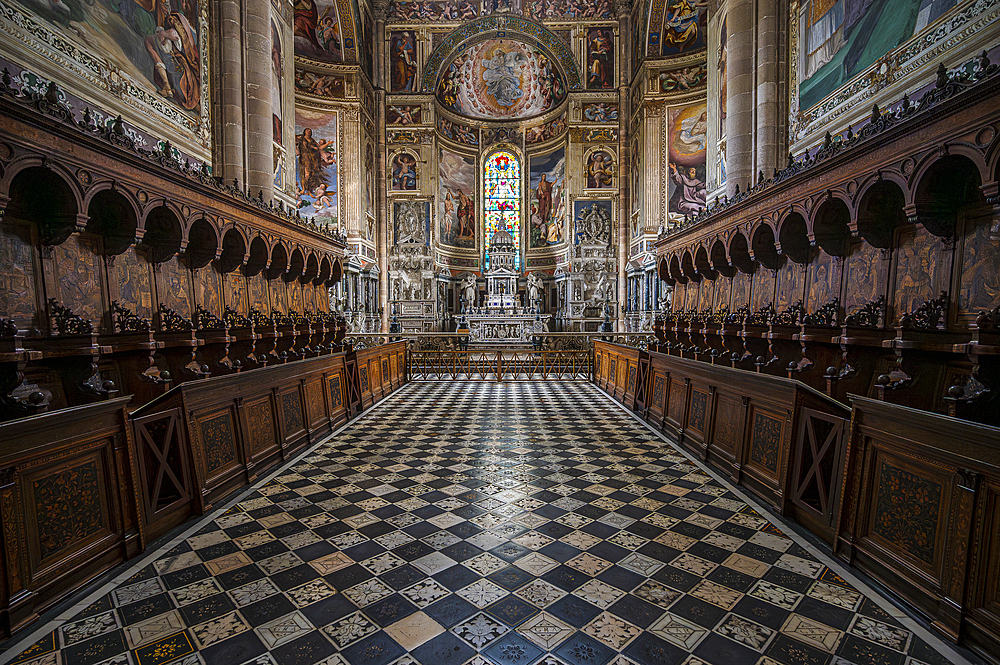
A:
<point x="486" y="524"/>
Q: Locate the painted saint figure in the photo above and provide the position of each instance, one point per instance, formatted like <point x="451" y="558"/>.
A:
<point x="404" y="62"/>
<point x="404" y="173"/>
<point x="690" y="195"/>
<point x="601" y="67"/>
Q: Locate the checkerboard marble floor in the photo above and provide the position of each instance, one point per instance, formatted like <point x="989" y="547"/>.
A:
<point x="486" y="524"/>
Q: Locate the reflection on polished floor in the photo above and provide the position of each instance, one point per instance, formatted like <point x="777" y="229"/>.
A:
<point x="488" y="524"/>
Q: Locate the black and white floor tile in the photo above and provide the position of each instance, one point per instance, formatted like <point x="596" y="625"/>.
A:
<point x="488" y="524"/>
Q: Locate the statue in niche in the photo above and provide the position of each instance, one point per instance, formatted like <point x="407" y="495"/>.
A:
<point x="470" y="290"/>
<point x="534" y="290"/>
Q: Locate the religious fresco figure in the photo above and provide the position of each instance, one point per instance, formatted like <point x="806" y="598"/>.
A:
<point x="683" y="23"/>
<point x="503" y="77"/>
<point x="600" y="60"/>
<point x="689" y="197"/>
<point x="404" y="173"/>
<point x="600" y="171"/>
<point x="404" y="61"/>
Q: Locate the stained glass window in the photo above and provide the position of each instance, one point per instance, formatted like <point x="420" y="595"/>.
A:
<point x="502" y="195"/>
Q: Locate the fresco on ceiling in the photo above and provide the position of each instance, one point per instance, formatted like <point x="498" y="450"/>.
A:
<point x="456" y="196"/>
<point x="839" y="39"/>
<point x="499" y="79"/>
<point x="154" y="45"/>
<point x="317" y="30"/>
<point x="682" y="29"/>
<point x="687" y="128"/>
<point x="463" y="10"/>
<point x="546" y="199"/>
<point x="316" y="165"/>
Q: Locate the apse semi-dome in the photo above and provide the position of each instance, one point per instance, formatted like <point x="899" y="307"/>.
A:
<point x="500" y="79"/>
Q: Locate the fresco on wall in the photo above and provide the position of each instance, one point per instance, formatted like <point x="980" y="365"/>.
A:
<point x="404" y="173"/>
<point x="319" y="85"/>
<point x="458" y="132"/>
<point x="723" y="97"/>
<point x="687" y="128"/>
<point x="399" y="114"/>
<point x="600" y="59"/>
<point x="683" y="29"/>
<point x="369" y="182"/>
<point x="156" y="49"/>
<point x="277" y="69"/>
<point x="600" y="112"/>
<point x="839" y="39"/>
<point x="317" y="30"/>
<point x="316" y="165"/>
<point x="402" y="61"/>
<point x="547" y="199"/>
<point x="546" y="131"/>
<point x="456" y="200"/>
<point x="601" y="169"/>
<point x="499" y="79"/>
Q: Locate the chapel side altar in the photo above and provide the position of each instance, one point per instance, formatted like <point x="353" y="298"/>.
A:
<point x="514" y="325"/>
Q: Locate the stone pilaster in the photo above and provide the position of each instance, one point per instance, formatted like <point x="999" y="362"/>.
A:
<point x="768" y="115"/>
<point x="379" y="196"/>
<point x="258" y="123"/>
<point x="740" y="98"/>
<point x="229" y="163"/>
<point x="623" y="11"/>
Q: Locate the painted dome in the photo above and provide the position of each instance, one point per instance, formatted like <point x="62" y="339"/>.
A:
<point x="500" y="79"/>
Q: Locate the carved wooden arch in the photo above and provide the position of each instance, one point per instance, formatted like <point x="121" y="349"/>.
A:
<point x="337" y="271"/>
<point x="256" y="264"/>
<point x="663" y="271"/>
<point x="788" y="240"/>
<point x="764" y="245"/>
<point x="863" y="224"/>
<point x="932" y="156"/>
<point x="742" y="263"/>
<point x="310" y="269"/>
<point x="325" y="270"/>
<point x="702" y="262"/>
<point x="837" y="192"/>
<point x="110" y="184"/>
<point x="230" y="257"/>
<point x="114" y="244"/>
<point x="157" y="202"/>
<point x="157" y="253"/>
<point x="296" y="267"/>
<point x="279" y="262"/>
<point x="687" y="266"/>
<point x="29" y="161"/>
<point x="934" y="206"/>
<point x="718" y="256"/>
<point x="873" y="179"/>
<point x="202" y="251"/>
<point x="675" y="269"/>
<point x="825" y="240"/>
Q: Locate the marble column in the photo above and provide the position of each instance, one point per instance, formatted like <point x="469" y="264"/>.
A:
<point x="230" y="81"/>
<point x="258" y="121"/>
<point x="740" y="93"/>
<point x="767" y="88"/>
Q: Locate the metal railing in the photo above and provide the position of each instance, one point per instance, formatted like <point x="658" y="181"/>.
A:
<point x="548" y="357"/>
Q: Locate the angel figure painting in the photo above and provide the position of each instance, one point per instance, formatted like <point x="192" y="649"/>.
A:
<point x="317" y="30"/>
